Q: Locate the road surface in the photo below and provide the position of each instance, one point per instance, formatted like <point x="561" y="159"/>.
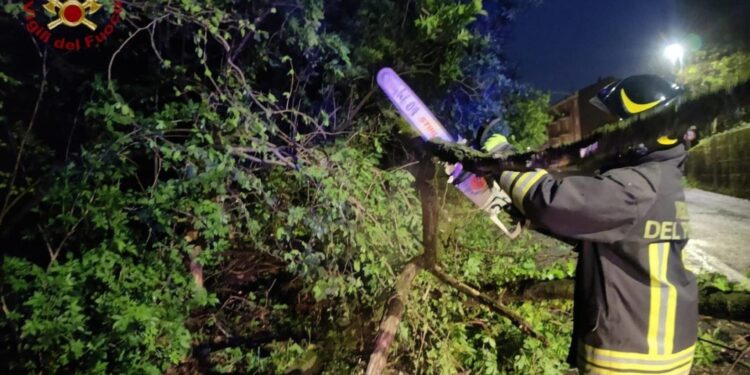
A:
<point x="720" y="234"/>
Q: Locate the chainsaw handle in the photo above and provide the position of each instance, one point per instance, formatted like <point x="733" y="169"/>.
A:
<point x="512" y="235"/>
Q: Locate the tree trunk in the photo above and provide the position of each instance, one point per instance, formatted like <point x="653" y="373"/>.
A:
<point x="556" y="289"/>
<point x="397" y="301"/>
<point x="734" y="306"/>
<point x="391" y="319"/>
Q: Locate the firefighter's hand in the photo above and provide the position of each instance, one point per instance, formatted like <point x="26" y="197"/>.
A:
<point x="472" y="160"/>
<point x="516" y="216"/>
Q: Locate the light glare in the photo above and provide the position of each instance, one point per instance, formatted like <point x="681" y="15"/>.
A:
<point x="674" y="53"/>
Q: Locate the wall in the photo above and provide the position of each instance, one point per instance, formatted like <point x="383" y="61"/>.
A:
<point x="592" y="118"/>
<point x="721" y="163"/>
<point x="575" y="117"/>
<point x="566" y="127"/>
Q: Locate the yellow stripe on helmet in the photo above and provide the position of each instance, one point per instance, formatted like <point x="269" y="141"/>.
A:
<point x="634" y="107"/>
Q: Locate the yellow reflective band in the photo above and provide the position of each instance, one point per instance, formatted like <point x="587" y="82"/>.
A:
<point x="523" y="185"/>
<point x="634" y="107"/>
<point x="671" y="305"/>
<point x="663" y="306"/>
<point x="506" y="179"/>
<point x="593" y="370"/>
<point x="517" y="188"/>
<point x="539" y="174"/>
<point x="666" y="141"/>
<point x="632" y="355"/>
<point x="655" y="291"/>
<point x="519" y="182"/>
<point x="653" y="363"/>
<point x="619" y="368"/>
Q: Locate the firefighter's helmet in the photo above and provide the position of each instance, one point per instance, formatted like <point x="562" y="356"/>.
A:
<point x="491" y="140"/>
<point x="635" y="95"/>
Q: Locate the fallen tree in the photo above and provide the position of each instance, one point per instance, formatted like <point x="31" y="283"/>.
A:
<point x="732" y="305"/>
<point x="725" y="305"/>
<point x="429" y="261"/>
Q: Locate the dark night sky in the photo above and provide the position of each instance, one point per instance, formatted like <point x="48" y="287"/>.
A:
<point x="564" y="45"/>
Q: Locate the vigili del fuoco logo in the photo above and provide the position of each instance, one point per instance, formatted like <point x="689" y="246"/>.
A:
<point x="71" y="25"/>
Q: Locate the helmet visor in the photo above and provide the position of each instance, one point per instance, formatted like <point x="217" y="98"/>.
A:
<point x="596" y="102"/>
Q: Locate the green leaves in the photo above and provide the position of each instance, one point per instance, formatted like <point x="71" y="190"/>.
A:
<point x="715" y="69"/>
<point x="447" y="21"/>
<point x="248" y="181"/>
<point x="528" y="118"/>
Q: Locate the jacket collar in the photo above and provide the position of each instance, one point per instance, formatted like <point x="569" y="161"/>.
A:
<point x="674" y="155"/>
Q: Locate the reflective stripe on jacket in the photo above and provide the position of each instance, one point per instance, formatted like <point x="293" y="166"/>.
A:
<point x="636" y="307"/>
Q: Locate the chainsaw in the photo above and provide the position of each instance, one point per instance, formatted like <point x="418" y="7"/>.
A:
<point x="489" y="198"/>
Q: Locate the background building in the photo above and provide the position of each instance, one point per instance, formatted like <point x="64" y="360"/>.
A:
<point x="574" y="117"/>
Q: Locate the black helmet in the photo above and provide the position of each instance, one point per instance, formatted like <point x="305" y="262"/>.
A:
<point x="635" y="95"/>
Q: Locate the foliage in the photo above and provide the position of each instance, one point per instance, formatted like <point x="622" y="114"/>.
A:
<point x="243" y="205"/>
<point x="487" y="94"/>
<point x="720" y="149"/>
<point x="444" y="332"/>
<point x="706" y="354"/>
<point x="709" y="281"/>
<point x="528" y="119"/>
<point x="714" y="69"/>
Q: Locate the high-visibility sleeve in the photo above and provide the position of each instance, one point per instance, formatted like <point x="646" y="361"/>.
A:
<point x="601" y="208"/>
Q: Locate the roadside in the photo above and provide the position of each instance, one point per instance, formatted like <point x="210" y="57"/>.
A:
<point x="720" y="234"/>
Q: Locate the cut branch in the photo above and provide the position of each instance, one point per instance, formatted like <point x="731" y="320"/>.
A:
<point x="428" y="260"/>
<point x="7" y="204"/>
<point x="546" y="290"/>
<point x="430" y="212"/>
<point x="397" y="302"/>
<point x="735" y="306"/>
<point x="717" y="304"/>
<point x="492" y="304"/>
<point x="392" y="318"/>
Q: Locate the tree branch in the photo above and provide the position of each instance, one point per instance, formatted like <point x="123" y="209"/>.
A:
<point x="397" y="302"/>
<point x="430" y="212"/>
<point x="392" y="318"/>
<point x="493" y="305"/>
<point x="7" y="205"/>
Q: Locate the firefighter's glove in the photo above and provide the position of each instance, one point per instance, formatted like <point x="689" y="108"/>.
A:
<point x="516" y="216"/>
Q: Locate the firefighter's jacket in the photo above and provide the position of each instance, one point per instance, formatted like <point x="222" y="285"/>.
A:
<point x="636" y="307"/>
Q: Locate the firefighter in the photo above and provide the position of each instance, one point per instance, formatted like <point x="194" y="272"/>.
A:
<point x="635" y="305"/>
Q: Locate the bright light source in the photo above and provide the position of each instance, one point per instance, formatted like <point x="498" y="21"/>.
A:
<point x="674" y="53"/>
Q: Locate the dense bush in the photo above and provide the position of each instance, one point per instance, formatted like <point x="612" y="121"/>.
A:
<point x="231" y="193"/>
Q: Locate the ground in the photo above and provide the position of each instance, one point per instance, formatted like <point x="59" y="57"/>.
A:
<point x="720" y="234"/>
<point x="719" y="238"/>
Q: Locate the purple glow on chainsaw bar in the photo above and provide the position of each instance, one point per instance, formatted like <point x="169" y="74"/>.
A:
<point x="410" y="106"/>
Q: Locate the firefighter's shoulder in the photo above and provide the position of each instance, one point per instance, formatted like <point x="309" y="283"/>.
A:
<point x="641" y="182"/>
<point x="644" y="175"/>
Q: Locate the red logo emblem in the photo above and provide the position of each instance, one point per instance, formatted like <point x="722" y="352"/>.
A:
<point x="97" y="24"/>
<point x="477" y="184"/>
